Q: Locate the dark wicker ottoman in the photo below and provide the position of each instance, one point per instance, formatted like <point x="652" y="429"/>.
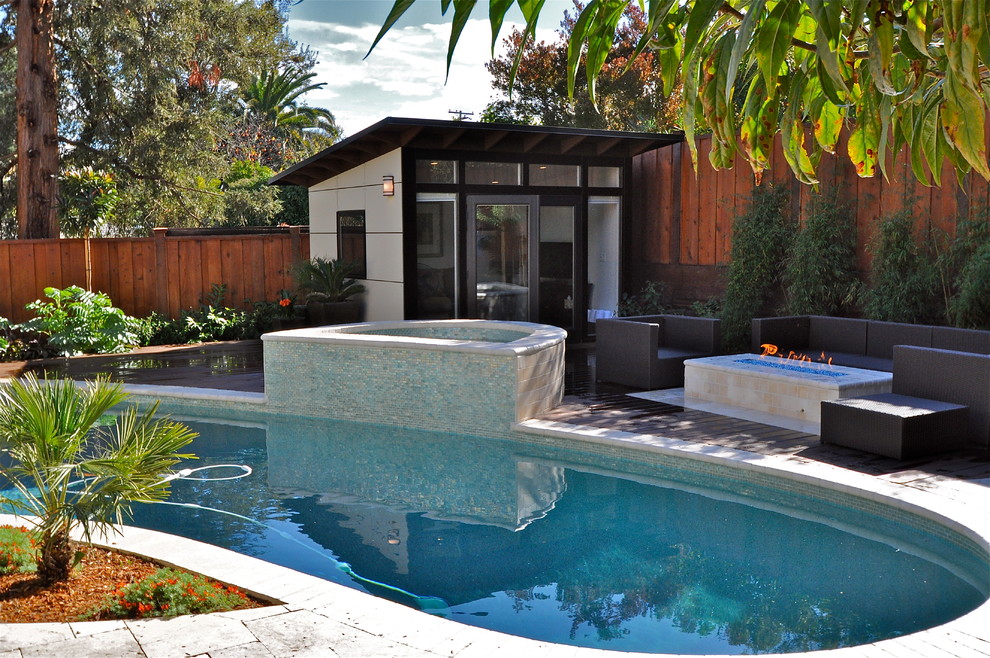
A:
<point x="897" y="426"/>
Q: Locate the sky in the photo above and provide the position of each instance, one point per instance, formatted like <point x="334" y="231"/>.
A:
<point x="404" y="76"/>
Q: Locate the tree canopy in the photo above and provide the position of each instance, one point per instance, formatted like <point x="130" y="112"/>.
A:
<point x="898" y="72"/>
<point x="149" y="93"/>
<point x="630" y="93"/>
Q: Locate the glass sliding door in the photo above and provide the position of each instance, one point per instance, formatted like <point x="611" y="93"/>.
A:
<point x="501" y="269"/>
<point x="604" y="213"/>
<point x="557" y="298"/>
<point x="436" y="256"/>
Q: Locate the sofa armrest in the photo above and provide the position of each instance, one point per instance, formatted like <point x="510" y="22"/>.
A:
<point x="626" y="351"/>
<point x="790" y="331"/>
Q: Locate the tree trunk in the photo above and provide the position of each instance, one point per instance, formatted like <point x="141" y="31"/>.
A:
<point x="55" y="557"/>
<point x="37" y="121"/>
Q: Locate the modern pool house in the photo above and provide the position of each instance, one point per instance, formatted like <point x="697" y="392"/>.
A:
<point x="449" y="219"/>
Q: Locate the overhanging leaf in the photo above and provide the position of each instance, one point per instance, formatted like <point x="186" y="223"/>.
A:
<point x="531" y="12"/>
<point x="864" y="141"/>
<point x="699" y="18"/>
<point x="600" y="41"/>
<point x="828" y="125"/>
<point x="773" y="39"/>
<point x="963" y="116"/>
<point x="743" y="38"/>
<point x="925" y="147"/>
<point x="916" y="26"/>
<point x="398" y="9"/>
<point x="657" y="12"/>
<point x="462" y="12"/>
<point x="576" y="44"/>
<point x="496" y="15"/>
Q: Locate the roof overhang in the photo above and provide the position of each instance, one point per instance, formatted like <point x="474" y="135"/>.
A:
<point x="392" y="133"/>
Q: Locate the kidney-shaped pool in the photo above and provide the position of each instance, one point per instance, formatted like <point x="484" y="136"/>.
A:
<point x="554" y="544"/>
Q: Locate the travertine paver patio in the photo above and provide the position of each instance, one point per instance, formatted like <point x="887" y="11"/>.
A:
<point x="318" y="618"/>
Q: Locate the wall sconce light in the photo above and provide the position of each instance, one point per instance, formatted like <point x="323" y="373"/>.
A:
<point x="388" y="185"/>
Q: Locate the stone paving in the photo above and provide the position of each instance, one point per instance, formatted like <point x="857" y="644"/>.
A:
<point x="314" y="617"/>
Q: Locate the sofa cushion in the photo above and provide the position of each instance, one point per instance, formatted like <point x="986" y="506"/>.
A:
<point x="837" y="334"/>
<point x="670" y="354"/>
<point x="882" y="336"/>
<point x="690" y="333"/>
<point x="962" y="340"/>
<point x="790" y="332"/>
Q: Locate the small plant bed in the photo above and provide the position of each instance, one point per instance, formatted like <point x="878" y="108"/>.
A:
<point x="106" y="585"/>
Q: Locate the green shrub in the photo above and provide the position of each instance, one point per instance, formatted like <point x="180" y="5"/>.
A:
<point x="710" y="308"/>
<point x="78" y="321"/>
<point x="212" y="321"/>
<point x="760" y="240"/>
<point x="904" y="286"/>
<point x="5" y="340"/>
<point x="971" y="306"/>
<point x="168" y="593"/>
<point x="648" y="301"/>
<point x="819" y="274"/>
<point x="18" y="550"/>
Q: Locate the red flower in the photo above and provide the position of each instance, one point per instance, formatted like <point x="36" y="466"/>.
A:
<point x="284" y="302"/>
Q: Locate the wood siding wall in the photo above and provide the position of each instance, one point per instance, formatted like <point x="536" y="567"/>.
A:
<point x="681" y="228"/>
<point x="167" y="274"/>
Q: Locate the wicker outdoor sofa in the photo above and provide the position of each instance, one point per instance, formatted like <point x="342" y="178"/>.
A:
<point x="860" y="343"/>
<point x="939" y="401"/>
<point x="648" y="351"/>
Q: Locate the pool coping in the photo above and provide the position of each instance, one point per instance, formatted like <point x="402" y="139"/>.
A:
<point x="316" y="615"/>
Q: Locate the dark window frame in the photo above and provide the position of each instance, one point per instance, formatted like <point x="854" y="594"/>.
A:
<point x="360" y="251"/>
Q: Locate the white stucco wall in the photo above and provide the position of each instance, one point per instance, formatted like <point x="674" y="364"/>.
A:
<point x="361" y="189"/>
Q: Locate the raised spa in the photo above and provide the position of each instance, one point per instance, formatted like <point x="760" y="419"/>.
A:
<point x="472" y="376"/>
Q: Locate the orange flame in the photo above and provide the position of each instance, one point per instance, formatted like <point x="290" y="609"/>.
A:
<point x="769" y="349"/>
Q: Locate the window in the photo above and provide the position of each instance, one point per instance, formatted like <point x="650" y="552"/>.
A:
<point x="351" y="241"/>
<point x="436" y="171"/>
<point x="493" y="173"/>
<point x="556" y="175"/>
<point x="604" y="176"/>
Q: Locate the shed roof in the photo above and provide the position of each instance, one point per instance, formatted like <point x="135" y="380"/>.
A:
<point x="393" y="132"/>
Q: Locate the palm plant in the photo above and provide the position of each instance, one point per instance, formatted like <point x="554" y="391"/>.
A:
<point x="69" y="465"/>
<point x="274" y="95"/>
<point x="327" y="280"/>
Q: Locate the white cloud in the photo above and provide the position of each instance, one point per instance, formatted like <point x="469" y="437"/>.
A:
<point x="404" y="76"/>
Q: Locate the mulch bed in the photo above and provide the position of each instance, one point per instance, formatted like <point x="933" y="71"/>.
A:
<point x="23" y="598"/>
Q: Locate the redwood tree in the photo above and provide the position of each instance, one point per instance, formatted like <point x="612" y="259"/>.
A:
<point x="37" y="121"/>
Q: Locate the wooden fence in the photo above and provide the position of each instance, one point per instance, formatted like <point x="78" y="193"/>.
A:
<point x="167" y="273"/>
<point x="682" y="221"/>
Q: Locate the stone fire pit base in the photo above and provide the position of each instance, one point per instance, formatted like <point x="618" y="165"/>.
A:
<point x="777" y="386"/>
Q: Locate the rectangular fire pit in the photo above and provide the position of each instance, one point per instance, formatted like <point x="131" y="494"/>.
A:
<point x="781" y="387"/>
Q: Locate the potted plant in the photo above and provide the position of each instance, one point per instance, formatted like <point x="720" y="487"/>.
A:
<point x="329" y="286"/>
<point x="287" y="312"/>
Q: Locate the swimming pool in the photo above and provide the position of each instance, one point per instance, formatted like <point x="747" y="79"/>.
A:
<point x="542" y="540"/>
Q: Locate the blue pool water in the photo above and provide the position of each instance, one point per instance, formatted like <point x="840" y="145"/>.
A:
<point x="555" y="544"/>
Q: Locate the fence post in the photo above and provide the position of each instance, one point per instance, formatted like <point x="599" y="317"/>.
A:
<point x="161" y="271"/>
<point x="295" y="243"/>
